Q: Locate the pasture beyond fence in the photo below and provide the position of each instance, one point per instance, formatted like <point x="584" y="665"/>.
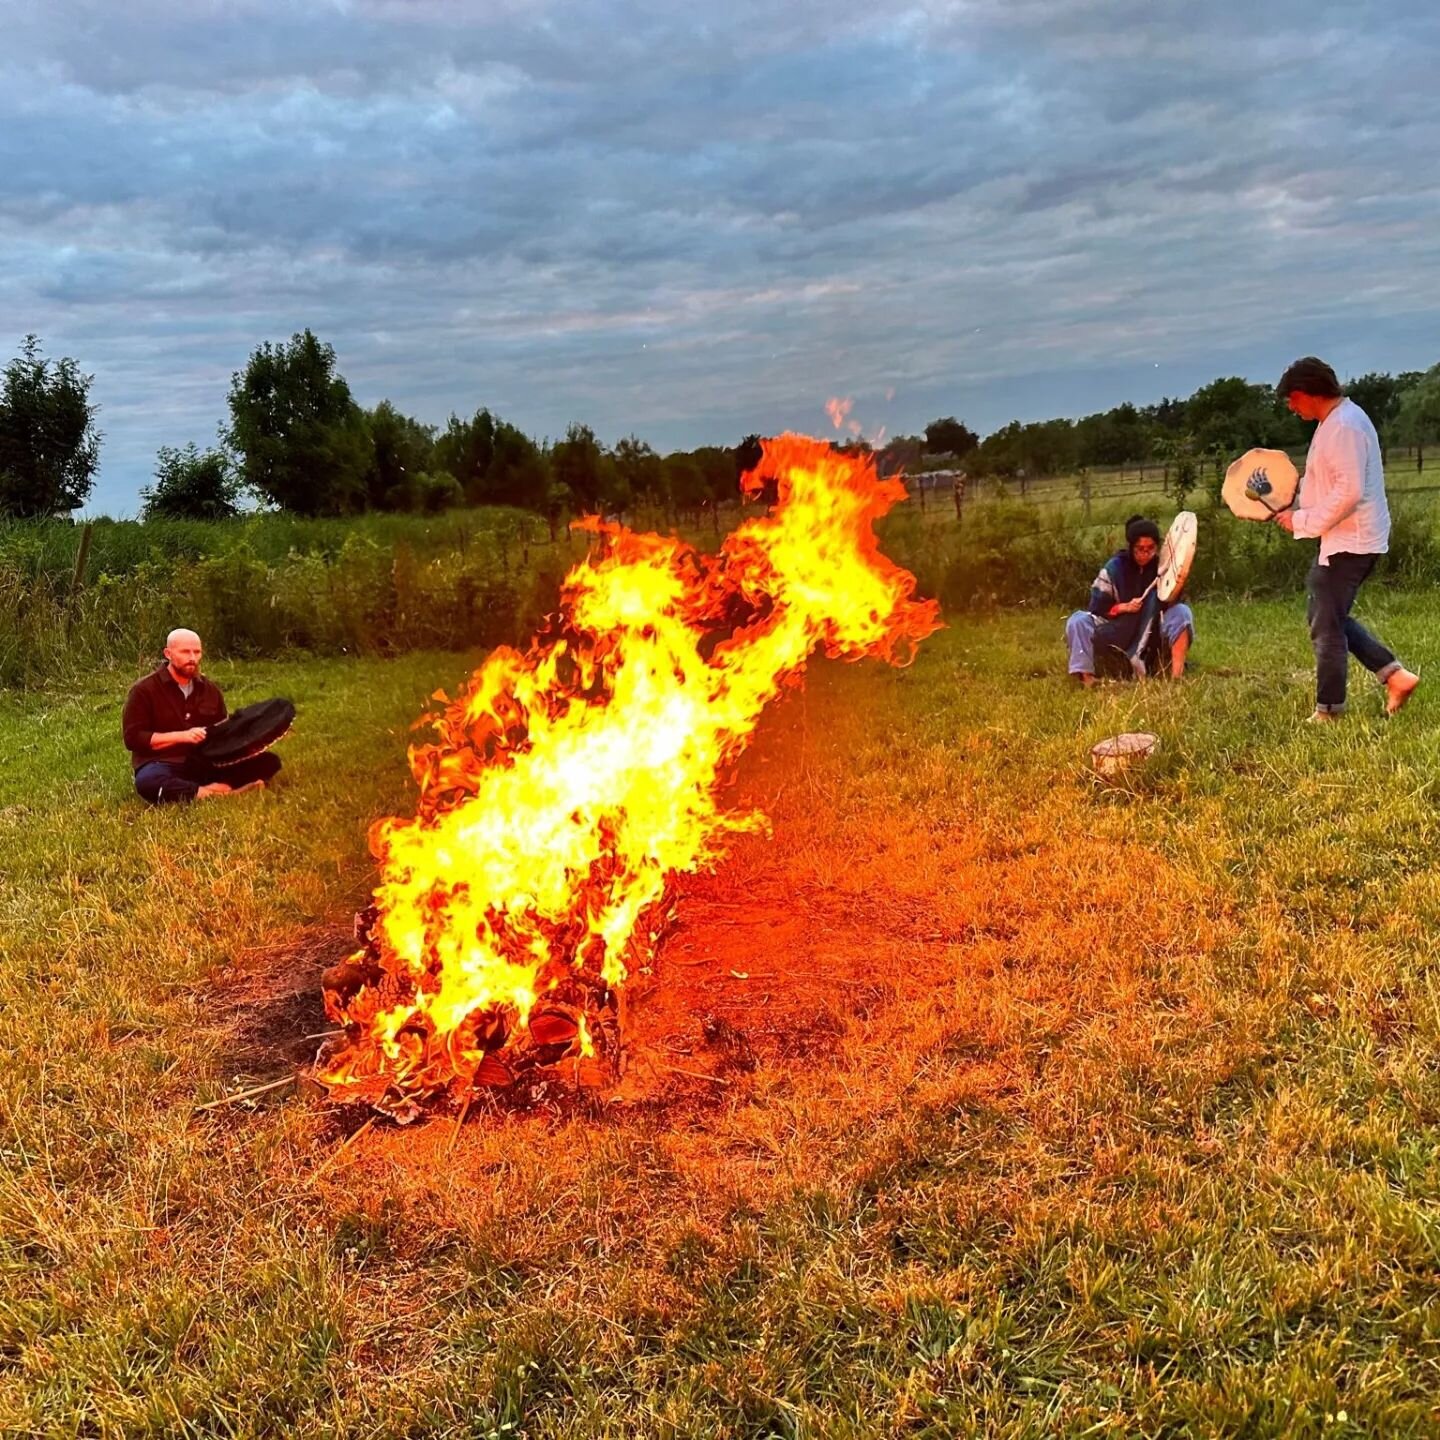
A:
<point x="271" y="585"/>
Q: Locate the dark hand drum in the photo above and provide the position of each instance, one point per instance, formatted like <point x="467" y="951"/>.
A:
<point x="250" y="731"/>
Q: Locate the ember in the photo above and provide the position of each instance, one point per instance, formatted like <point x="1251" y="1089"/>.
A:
<point x="569" y="786"/>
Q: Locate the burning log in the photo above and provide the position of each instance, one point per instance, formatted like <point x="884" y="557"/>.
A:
<point x="569" y="1041"/>
<point x="568" y="787"/>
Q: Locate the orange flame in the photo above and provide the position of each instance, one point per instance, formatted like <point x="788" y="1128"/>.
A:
<point x="570" y="784"/>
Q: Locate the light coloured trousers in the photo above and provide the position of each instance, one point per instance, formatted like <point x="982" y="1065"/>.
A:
<point x="1081" y="626"/>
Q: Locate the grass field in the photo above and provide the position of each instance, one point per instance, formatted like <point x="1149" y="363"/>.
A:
<point x="1046" y="1108"/>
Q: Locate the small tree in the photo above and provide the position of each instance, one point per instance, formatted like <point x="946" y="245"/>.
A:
<point x="191" y="485"/>
<point x="466" y="450"/>
<point x="902" y="454"/>
<point x="49" y="447"/>
<point x="1378" y="395"/>
<point x="401" y="451"/>
<point x="303" y="442"/>
<point x="641" y="469"/>
<point x="1417" y="421"/>
<point x="587" y="473"/>
<point x="950" y="437"/>
<point x="1182" y="472"/>
<point x="684" y="482"/>
<point x="518" y="473"/>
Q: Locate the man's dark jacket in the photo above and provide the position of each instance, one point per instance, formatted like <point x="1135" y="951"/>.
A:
<point x="157" y="704"/>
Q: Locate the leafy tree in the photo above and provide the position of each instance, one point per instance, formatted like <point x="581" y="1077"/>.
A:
<point x="1121" y="436"/>
<point x="1230" y="414"/>
<point x="999" y="454"/>
<point x="49" y="447"/>
<point x="191" y="484"/>
<point x="433" y="494"/>
<point x="494" y="462"/>
<point x="902" y="453"/>
<point x="1042" y="448"/>
<point x="717" y="465"/>
<point x="402" y="450"/>
<point x="518" y="473"/>
<point x="1377" y="395"/>
<point x="641" y="470"/>
<point x="1417" y="421"/>
<point x="303" y="441"/>
<point x="1182" y="469"/>
<point x="950" y="437"/>
<point x="1167" y="415"/>
<point x="685" y="483"/>
<point x="1048" y="447"/>
<point x="465" y="450"/>
<point x="586" y="473"/>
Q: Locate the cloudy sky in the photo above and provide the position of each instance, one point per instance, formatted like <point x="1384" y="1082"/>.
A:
<point x="692" y="228"/>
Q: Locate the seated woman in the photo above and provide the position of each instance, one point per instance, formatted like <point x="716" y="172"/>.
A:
<point x="1126" y="625"/>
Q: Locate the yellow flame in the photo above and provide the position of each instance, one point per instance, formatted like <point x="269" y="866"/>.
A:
<point x="568" y="784"/>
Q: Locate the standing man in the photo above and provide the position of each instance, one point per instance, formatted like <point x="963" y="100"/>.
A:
<point x="1343" y="506"/>
<point x="167" y="714"/>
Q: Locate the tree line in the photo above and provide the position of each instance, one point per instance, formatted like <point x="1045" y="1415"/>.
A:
<point x="296" y="440"/>
<point x="1219" y="421"/>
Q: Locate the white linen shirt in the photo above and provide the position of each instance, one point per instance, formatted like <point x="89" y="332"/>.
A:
<point x="1342" y="493"/>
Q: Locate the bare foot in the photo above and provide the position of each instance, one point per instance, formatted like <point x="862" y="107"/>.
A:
<point x="251" y="785"/>
<point x="1399" y="687"/>
<point x="1322" y="717"/>
<point x="1085" y="678"/>
<point x="205" y="792"/>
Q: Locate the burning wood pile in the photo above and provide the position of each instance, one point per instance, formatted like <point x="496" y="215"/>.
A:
<point x="568" y="787"/>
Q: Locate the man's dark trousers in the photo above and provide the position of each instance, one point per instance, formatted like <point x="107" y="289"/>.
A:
<point x="162" y="782"/>
<point x="1335" y="636"/>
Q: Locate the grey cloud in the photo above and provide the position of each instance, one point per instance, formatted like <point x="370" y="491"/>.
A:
<point x="694" y="228"/>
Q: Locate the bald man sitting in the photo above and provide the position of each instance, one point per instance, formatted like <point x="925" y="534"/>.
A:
<point x="167" y="715"/>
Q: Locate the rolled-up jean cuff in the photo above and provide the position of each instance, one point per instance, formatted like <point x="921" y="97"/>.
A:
<point x="1386" y="671"/>
<point x="1331" y="709"/>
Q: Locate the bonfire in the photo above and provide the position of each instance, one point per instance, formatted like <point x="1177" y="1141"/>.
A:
<point x="569" y="786"/>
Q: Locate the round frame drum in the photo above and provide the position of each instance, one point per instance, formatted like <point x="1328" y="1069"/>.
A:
<point x="1112" y="757"/>
<point x="1177" y="554"/>
<point x="1260" y="484"/>
<point x="247" y="733"/>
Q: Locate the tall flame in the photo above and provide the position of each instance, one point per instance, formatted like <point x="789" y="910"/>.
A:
<point x="569" y="785"/>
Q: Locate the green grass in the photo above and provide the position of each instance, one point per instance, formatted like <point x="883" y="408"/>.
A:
<point x="1076" y="1111"/>
<point x="278" y="585"/>
<point x="120" y="546"/>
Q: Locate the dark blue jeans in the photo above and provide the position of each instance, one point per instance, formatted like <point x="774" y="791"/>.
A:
<point x="1334" y="634"/>
<point x="163" y="782"/>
